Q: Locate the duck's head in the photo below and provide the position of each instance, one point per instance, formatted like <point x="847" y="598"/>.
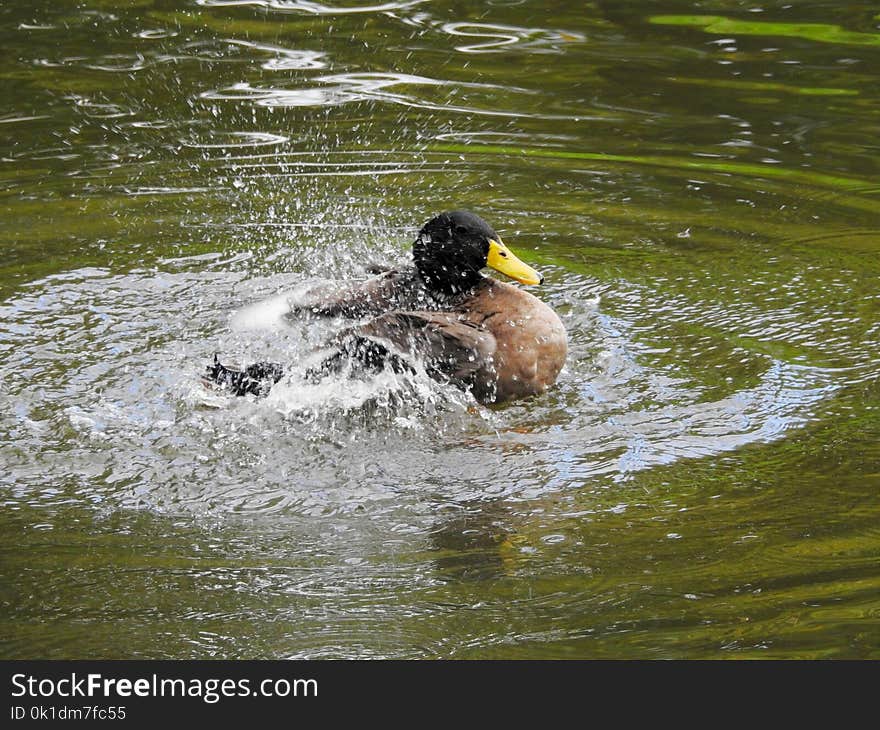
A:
<point x="452" y="248"/>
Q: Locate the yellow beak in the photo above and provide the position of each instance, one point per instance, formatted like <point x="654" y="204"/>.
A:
<point x="502" y="259"/>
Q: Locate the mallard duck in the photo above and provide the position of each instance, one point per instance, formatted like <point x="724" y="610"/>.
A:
<point x="485" y="336"/>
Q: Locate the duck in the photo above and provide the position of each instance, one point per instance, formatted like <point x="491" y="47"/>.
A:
<point x="482" y="335"/>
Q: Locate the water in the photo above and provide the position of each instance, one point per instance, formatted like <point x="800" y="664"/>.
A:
<point x="699" y="185"/>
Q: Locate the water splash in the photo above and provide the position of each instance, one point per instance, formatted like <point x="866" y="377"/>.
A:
<point x="106" y="368"/>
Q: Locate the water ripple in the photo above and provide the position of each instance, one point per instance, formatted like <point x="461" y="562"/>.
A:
<point x="285" y="59"/>
<point x="313" y="8"/>
<point x="110" y="376"/>
<point x="500" y="37"/>
<point x="340" y="89"/>
<point x="237" y="140"/>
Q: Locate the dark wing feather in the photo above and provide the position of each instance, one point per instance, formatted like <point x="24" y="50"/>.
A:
<point x="449" y="346"/>
<point x="393" y="289"/>
<point x="255" y="379"/>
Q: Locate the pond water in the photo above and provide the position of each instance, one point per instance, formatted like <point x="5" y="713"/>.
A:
<point x="699" y="184"/>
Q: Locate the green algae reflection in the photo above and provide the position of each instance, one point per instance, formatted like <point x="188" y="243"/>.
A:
<point x="722" y="166"/>
<point x="822" y="32"/>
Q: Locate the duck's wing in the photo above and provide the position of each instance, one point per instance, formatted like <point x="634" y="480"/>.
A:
<point x="389" y="290"/>
<point x="451" y="349"/>
<point x="447" y="345"/>
<point x="255" y="379"/>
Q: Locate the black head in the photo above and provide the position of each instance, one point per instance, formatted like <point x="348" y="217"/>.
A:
<point x="452" y="248"/>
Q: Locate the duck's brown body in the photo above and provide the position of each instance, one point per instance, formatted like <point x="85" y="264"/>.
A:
<point x="496" y="340"/>
<point x="531" y="344"/>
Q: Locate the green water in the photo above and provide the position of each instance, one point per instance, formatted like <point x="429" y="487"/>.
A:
<point x="699" y="185"/>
